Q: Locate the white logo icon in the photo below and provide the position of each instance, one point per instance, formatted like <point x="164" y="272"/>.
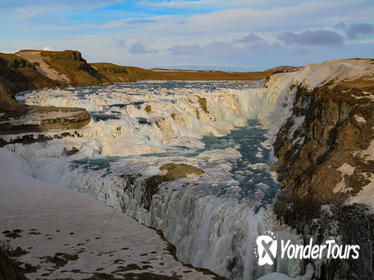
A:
<point x="267" y="249"/>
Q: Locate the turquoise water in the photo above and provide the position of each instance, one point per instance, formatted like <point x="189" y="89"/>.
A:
<point x="247" y="140"/>
<point x="251" y="172"/>
<point x="251" y="179"/>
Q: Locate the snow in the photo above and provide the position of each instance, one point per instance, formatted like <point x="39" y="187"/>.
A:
<point x="203" y="227"/>
<point x="366" y="195"/>
<point x="359" y="119"/>
<point x="315" y="75"/>
<point x="275" y="276"/>
<point x="297" y="123"/>
<point x="368" y="154"/>
<point x="74" y="223"/>
<point x="345" y="169"/>
<point x="43" y="67"/>
<point x="207" y="237"/>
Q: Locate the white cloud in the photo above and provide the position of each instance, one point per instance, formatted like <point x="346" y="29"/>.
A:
<point x="30" y="12"/>
<point x="360" y="42"/>
<point x="179" y="4"/>
<point x="239" y="46"/>
<point x="151" y="26"/>
<point x="139" y="48"/>
<point x="312" y="38"/>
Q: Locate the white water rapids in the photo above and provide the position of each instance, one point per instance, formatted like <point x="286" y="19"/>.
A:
<point x="226" y="129"/>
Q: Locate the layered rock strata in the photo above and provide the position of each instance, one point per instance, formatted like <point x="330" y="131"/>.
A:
<point x="325" y="162"/>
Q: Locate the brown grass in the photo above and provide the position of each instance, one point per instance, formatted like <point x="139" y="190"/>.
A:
<point x="71" y="64"/>
<point x="116" y="73"/>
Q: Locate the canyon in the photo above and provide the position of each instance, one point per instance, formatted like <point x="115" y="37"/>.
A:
<point x="315" y="153"/>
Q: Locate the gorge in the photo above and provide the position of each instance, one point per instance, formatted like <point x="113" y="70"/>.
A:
<point x="215" y="164"/>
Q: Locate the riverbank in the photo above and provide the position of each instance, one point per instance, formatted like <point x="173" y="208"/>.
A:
<point x="68" y="235"/>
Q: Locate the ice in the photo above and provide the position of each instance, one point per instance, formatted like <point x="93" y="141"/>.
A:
<point x="67" y="219"/>
<point x="275" y="276"/>
<point x="177" y="118"/>
<point x="213" y="220"/>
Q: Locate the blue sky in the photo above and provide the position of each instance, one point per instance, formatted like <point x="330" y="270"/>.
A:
<point x="230" y="35"/>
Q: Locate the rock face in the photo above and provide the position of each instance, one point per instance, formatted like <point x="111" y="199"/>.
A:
<point x="9" y="269"/>
<point x="324" y="155"/>
<point x="318" y="147"/>
<point x="18" y="74"/>
<point x="37" y="119"/>
<point x="283" y="69"/>
<point x="173" y="171"/>
<point x="71" y="65"/>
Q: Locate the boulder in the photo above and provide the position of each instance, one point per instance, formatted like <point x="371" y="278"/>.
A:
<point x="181" y="170"/>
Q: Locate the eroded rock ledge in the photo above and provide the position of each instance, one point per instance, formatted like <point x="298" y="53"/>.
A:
<point x="172" y="171"/>
<point x="28" y="70"/>
<point x="37" y="119"/>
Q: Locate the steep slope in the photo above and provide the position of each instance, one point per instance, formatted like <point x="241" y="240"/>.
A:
<point x="325" y="161"/>
<point x="74" y="67"/>
<point x="18" y="74"/>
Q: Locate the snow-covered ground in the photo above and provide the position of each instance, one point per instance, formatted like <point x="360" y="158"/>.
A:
<point x="90" y="236"/>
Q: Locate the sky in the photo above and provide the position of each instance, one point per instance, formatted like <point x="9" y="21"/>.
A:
<point x="242" y="35"/>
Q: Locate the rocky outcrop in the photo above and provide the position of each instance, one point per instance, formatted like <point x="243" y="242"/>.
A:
<point x="36" y="58"/>
<point x="9" y="268"/>
<point x="173" y="172"/>
<point x="72" y="65"/>
<point x="18" y="74"/>
<point x="37" y="119"/>
<point x="318" y="147"/>
<point x="324" y="158"/>
<point x="283" y="69"/>
<point x="181" y="170"/>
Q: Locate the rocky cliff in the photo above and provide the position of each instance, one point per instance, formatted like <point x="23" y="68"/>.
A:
<point x="28" y="71"/>
<point x="325" y="161"/>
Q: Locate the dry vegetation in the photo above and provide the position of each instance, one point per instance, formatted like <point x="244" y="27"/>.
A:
<point x="71" y="64"/>
<point x="116" y="73"/>
<point x="17" y="74"/>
